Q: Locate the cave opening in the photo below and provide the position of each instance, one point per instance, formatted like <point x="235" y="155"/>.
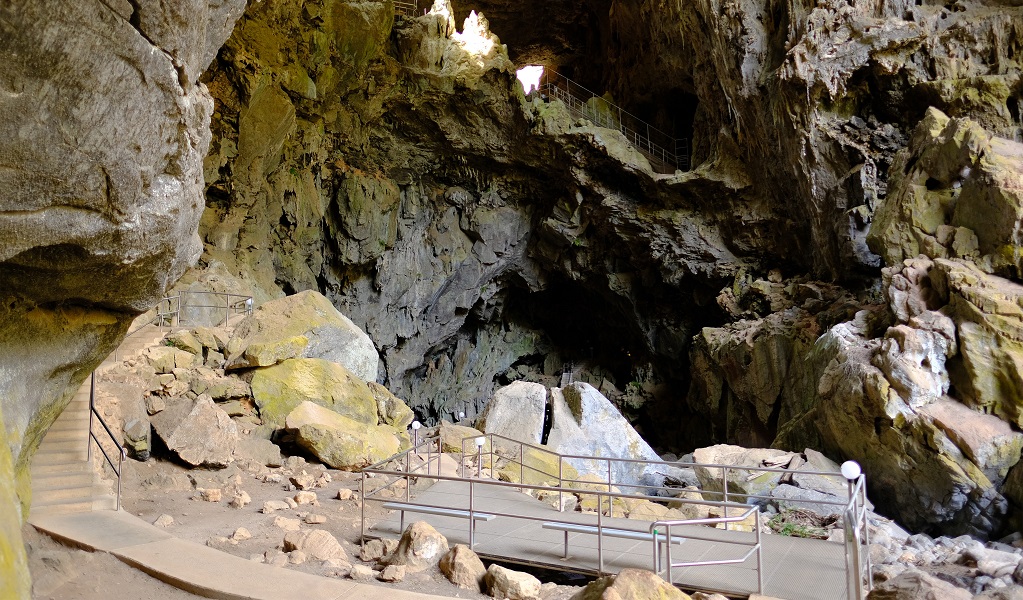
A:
<point x="582" y="327"/>
<point x="529" y="76"/>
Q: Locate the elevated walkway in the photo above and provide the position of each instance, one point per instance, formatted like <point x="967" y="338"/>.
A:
<point x="665" y="152"/>
<point x="504" y="521"/>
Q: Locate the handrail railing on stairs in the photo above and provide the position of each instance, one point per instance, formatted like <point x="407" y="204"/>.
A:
<point x="169" y="318"/>
<point x="169" y="310"/>
<point x="121" y="452"/>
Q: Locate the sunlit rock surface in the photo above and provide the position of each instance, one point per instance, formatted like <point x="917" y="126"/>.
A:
<point x="103" y="129"/>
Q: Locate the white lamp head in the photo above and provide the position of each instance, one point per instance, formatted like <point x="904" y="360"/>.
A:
<point x="416" y="424"/>
<point x="480" y="441"/>
<point x="851" y="470"/>
<point x="461" y="415"/>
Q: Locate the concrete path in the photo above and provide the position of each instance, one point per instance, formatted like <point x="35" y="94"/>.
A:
<point x="198" y="569"/>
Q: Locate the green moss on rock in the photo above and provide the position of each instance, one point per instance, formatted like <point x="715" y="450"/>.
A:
<point x="279" y="389"/>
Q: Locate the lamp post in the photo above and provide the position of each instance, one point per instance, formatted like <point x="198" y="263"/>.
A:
<point x="851" y="471"/>
<point x="415" y="433"/>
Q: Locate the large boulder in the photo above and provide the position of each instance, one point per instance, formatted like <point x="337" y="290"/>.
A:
<point x="463" y="567"/>
<point x="304" y="325"/>
<point x="452" y="437"/>
<point x="339" y="441"/>
<point x="199" y="432"/>
<point x="740" y="481"/>
<point x="630" y="584"/>
<point x="537" y="467"/>
<point x="514" y="585"/>
<point x="516" y="411"/>
<point x="278" y="389"/>
<point x="315" y="543"/>
<point x="586" y="423"/>
<point x="421" y="546"/>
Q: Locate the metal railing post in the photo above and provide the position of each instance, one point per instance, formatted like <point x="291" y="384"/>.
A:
<point x="667" y="553"/>
<point x="600" y="537"/>
<point x="724" y="508"/>
<point x="362" y="506"/>
<point x="472" y="519"/>
<point x="120" y="467"/>
<point x="561" y="485"/>
<point x="610" y="499"/>
<point x="760" y="558"/>
<point x="92" y="404"/>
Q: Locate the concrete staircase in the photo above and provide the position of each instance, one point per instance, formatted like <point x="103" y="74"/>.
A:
<point x="63" y="478"/>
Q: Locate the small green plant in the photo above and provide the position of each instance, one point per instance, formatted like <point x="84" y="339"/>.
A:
<point x="801" y="523"/>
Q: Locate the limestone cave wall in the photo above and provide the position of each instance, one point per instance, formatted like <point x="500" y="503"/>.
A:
<point x="480" y="236"/>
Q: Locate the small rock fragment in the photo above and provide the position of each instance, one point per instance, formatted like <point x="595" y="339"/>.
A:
<point x="271" y="505"/>
<point x="287" y="524"/>
<point x="241" y="534"/>
<point x="211" y="495"/>
<point x="344" y="494"/>
<point x="315" y="519"/>
<point x="240" y="499"/>
<point x="392" y="573"/>
<point x="362" y="573"/>
<point x="307" y="498"/>
<point x="164" y="520"/>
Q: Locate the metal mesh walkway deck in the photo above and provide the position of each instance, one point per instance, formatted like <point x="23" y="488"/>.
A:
<point x="794" y="568"/>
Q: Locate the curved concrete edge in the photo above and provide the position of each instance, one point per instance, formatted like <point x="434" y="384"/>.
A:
<point x="199" y="569"/>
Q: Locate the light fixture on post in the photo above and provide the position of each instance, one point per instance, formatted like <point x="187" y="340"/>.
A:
<point x="851" y="470"/>
<point x="415" y="433"/>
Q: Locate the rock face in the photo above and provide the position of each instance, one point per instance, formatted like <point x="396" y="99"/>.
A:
<point x="305" y="325"/>
<point x="105" y="128"/>
<point x="340" y="441"/>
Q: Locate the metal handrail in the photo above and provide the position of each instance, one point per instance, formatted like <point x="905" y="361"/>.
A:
<point x="406" y="8"/>
<point x="756" y="546"/>
<point x="122" y="453"/>
<point x="172" y="316"/>
<point x="855" y="521"/>
<point x="631" y="126"/>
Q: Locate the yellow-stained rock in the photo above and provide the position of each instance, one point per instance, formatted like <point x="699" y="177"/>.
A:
<point x="277" y="390"/>
<point x="339" y="441"/>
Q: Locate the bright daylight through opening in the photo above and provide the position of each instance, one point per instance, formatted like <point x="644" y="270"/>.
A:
<point x="529" y="76"/>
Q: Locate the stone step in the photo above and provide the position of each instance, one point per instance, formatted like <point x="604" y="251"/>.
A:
<point x="62" y="445"/>
<point x="47" y="481"/>
<point x="65" y="433"/>
<point x="46" y="457"/>
<point x="71" y="493"/>
<point x="65" y="425"/>
<point x="106" y="502"/>
<point x="38" y="469"/>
